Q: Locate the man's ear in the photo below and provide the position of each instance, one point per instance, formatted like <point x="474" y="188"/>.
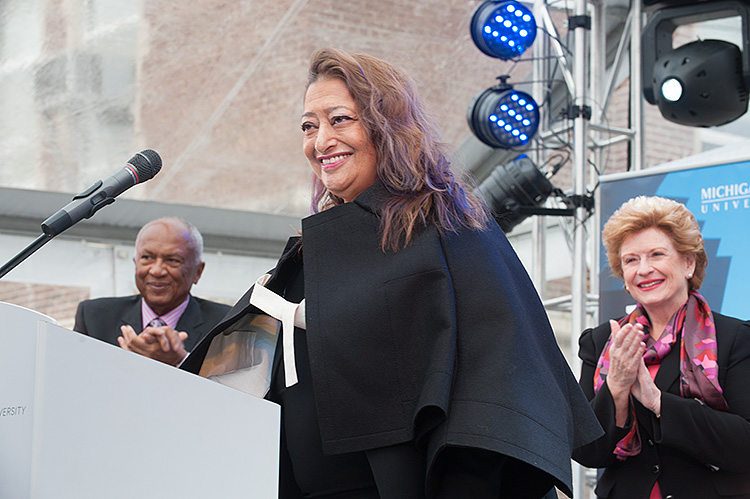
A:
<point x="199" y="272"/>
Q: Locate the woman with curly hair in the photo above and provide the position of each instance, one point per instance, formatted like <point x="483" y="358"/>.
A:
<point x="668" y="381"/>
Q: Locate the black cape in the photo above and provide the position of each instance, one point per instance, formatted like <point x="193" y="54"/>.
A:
<point x="444" y="343"/>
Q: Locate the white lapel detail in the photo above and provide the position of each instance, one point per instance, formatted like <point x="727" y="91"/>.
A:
<point x="290" y="314"/>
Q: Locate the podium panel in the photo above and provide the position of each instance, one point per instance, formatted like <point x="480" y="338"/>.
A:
<point x="17" y="373"/>
<point x="92" y="420"/>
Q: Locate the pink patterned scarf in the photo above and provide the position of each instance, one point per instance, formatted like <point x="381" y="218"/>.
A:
<point x="699" y="370"/>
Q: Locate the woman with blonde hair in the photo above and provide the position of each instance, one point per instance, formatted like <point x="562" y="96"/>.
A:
<point x="668" y="382"/>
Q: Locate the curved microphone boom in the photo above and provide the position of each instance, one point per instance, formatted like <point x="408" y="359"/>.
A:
<point x="141" y="167"/>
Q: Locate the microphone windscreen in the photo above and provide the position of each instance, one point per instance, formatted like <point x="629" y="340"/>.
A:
<point x="147" y="163"/>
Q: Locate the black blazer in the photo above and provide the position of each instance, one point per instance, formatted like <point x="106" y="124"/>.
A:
<point x="694" y="451"/>
<point x="102" y="317"/>
<point x="443" y="343"/>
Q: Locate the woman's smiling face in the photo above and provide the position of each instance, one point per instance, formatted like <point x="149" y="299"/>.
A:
<point x="335" y="142"/>
<point x="654" y="272"/>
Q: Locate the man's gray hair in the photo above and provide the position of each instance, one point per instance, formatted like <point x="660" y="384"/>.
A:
<point x="195" y="239"/>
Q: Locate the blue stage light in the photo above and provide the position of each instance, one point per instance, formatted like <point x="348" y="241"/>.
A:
<point x="502" y="117"/>
<point x="503" y="29"/>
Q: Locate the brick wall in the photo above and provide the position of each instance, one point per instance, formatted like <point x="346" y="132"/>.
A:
<point x="58" y="302"/>
<point x="222" y="91"/>
<point x="217" y="89"/>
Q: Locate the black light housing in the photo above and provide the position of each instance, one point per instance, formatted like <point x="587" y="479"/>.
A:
<point x="514" y="191"/>
<point x="703" y="83"/>
<point x="650" y="5"/>
<point x="502" y="117"/>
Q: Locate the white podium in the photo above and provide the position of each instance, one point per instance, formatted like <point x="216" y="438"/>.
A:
<point x="81" y="419"/>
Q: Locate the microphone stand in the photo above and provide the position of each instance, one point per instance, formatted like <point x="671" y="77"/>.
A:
<point x="59" y="222"/>
<point x="141" y="167"/>
<point x="25" y="253"/>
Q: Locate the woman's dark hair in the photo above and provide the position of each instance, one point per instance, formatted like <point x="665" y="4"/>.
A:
<point x="412" y="163"/>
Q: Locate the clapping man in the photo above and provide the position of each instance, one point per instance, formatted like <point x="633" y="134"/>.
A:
<point x="164" y="321"/>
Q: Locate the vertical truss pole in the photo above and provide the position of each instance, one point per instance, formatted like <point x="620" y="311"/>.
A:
<point x="538" y="229"/>
<point x="598" y="72"/>
<point x="580" y="153"/>
<point x="637" y="120"/>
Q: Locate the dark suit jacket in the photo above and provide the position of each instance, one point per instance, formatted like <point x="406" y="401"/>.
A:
<point x="444" y="343"/>
<point x="694" y="451"/>
<point x="102" y="317"/>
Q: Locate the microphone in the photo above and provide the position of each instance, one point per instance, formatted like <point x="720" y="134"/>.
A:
<point x="141" y="167"/>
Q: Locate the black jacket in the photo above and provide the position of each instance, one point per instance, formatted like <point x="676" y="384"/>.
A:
<point x="102" y="317"/>
<point x="694" y="451"/>
<point x="444" y="342"/>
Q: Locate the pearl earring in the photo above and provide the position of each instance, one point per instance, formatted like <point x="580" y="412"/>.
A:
<point x="690" y="276"/>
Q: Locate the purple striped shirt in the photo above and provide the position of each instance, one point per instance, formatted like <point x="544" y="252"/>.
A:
<point x="171" y="317"/>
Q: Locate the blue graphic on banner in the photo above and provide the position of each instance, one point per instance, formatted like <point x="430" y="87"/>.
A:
<point x="719" y="197"/>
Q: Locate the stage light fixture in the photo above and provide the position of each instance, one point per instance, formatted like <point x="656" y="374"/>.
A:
<point x="502" y="117"/>
<point x="503" y="30"/>
<point x="703" y="83"/>
<point x="651" y="5"/>
<point x="514" y="191"/>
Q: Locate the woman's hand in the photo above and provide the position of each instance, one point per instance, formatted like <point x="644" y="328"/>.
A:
<point x="646" y="391"/>
<point x="625" y="358"/>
